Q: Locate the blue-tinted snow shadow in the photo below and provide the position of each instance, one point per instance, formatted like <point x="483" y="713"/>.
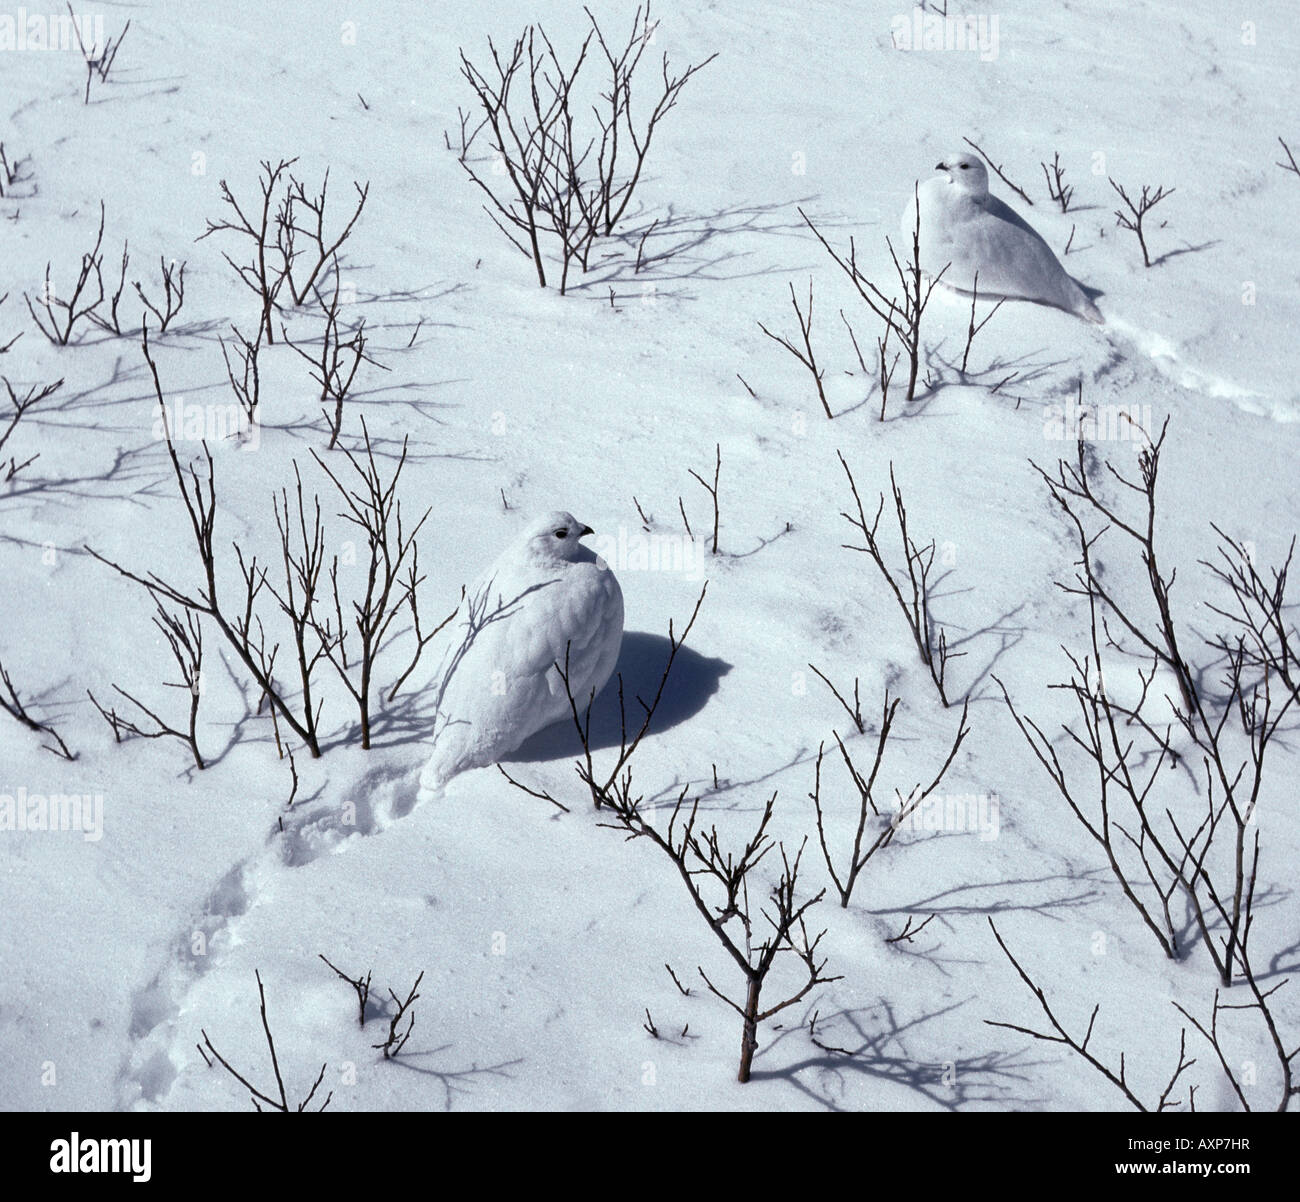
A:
<point x="693" y="680"/>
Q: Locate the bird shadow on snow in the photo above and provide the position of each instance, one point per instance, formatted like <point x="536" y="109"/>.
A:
<point x="694" y="679"/>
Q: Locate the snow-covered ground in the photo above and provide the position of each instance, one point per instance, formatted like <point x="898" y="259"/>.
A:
<point x="543" y="936"/>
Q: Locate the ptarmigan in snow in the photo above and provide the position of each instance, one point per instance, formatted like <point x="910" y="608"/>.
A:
<point x="546" y="596"/>
<point x="968" y="229"/>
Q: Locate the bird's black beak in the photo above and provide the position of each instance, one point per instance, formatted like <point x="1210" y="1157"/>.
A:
<point x="941" y="166"/>
<point x="585" y="531"/>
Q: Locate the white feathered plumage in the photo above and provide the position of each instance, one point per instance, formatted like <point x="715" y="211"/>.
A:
<point x="970" y="230"/>
<point x="545" y="597"/>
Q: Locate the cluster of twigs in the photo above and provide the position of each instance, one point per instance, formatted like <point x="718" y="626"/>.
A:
<point x="395" y="1040"/>
<point x="393" y="579"/>
<point x="393" y="1043"/>
<point x="11" y="171"/>
<point x="1230" y="734"/>
<point x="717" y="878"/>
<point x="284" y="236"/>
<point x="360" y="985"/>
<point x="185" y="640"/>
<point x="255" y="1095"/>
<point x="292" y="248"/>
<point x="1176" y="865"/>
<point x="318" y="633"/>
<point x="551" y="179"/>
<point x="61" y="316"/>
<point x="247" y="387"/>
<point x="1057" y="188"/>
<point x="847" y="877"/>
<point x="78" y="306"/>
<point x="334" y="362"/>
<point x="1238" y="1076"/>
<point x="806" y="356"/>
<point x="1079" y="1045"/>
<point x="1134" y="213"/>
<point x="22" y="405"/>
<point x="930" y="638"/>
<point x="14" y="706"/>
<point x="98" y="59"/>
<point x="902" y="313"/>
<point x="468" y="132"/>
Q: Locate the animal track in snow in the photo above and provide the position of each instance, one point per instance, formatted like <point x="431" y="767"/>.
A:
<point x="1166" y="357"/>
<point x="380" y="797"/>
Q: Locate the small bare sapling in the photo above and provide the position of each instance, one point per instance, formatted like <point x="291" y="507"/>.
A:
<point x="1057" y="188"/>
<point x="303" y="216"/>
<point x="1134" y="213"/>
<point x="805" y="356"/>
<point x="173" y="297"/>
<point x="360" y="985"/>
<point x="392" y="568"/>
<point x="972" y="328"/>
<point x="718" y="881"/>
<point x="335" y="362"/>
<point x="185" y="639"/>
<point x="847" y="877"/>
<point x="1079" y="1045"/>
<point x="396" y="1039"/>
<point x="267" y="268"/>
<point x="930" y="638"/>
<point x="1178" y="846"/>
<point x="246" y="385"/>
<point x="62" y="316"/>
<point x="98" y="59"/>
<point x="14" y="706"/>
<point x="551" y="177"/>
<point x="255" y="1095"/>
<point x="902" y="316"/>
<point x="712" y="490"/>
<point x="21" y="406"/>
<point x="241" y="627"/>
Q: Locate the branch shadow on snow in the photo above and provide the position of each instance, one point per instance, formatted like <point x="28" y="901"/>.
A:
<point x="674" y="247"/>
<point x="872" y="1042"/>
<point x="454" y="1082"/>
<point x="1001" y="371"/>
<point x="1188" y="249"/>
<point x="1071" y="891"/>
<point x="694" y="679"/>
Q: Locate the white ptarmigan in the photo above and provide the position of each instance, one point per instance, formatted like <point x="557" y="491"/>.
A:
<point x="546" y="597"/>
<point x="966" y="228"/>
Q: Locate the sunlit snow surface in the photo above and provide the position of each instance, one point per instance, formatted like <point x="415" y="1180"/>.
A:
<point x="542" y="936"/>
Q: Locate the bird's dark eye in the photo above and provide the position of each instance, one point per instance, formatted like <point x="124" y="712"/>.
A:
<point x="562" y="532"/>
<point x="965" y="166"/>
